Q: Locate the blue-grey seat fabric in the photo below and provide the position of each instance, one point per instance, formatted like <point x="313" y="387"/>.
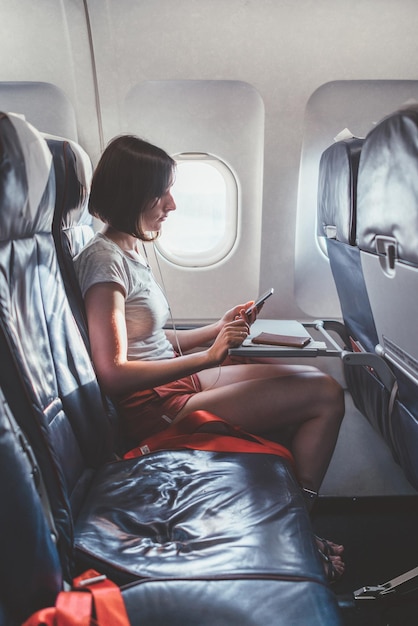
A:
<point x="337" y="224"/>
<point x="72" y="228"/>
<point x="72" y="225"/>
<point x="168" y="523"/>
<point x="388" y="238"/>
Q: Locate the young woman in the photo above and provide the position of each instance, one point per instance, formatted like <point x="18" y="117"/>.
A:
<point x="158" y="376"/>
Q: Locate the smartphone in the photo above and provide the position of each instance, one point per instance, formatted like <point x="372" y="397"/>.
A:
<point x="259" y="302"/>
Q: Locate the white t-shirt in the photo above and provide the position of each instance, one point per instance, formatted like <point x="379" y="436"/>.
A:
<point x="146" y="308"/>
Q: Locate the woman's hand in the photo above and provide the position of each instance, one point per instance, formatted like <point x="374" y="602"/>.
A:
<point x="237" y="312"/>
<point x="231" y="335"/>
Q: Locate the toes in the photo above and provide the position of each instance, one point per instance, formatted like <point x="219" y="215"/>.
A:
<point x="334" y="567"/>
<point x="335" y="547"/>
<point x="338" y="564"/>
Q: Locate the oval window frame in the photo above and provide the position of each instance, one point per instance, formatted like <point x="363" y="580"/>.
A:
<point x="210" y="256"/>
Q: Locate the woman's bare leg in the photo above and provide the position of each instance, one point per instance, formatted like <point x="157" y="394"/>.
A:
<point x="263" y="398"/>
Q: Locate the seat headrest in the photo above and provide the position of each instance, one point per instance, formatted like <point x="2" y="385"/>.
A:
<point x="337" y="190"/>
<point x="27" y="182"/>
<point x="73" y="173"/>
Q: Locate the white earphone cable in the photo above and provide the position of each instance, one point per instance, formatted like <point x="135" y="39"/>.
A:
<point x="173" y="324"/>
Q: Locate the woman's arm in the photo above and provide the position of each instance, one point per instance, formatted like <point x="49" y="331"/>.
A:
<point x="105" y="307"/>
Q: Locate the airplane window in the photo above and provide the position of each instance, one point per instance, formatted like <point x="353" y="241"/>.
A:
<point x="203" y="229"/>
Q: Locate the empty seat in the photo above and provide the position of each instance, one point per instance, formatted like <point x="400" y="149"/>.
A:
<point x="198" y="527"/>
<point x="388" y="234"/>
<point x="387" y="237"/>
<point x="337" y="194"/>
<point x="337" y="224"/>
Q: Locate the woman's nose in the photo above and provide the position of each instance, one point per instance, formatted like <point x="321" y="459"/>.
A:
<point x="171" y="203"/>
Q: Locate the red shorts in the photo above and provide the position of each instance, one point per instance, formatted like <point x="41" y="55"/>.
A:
<point x="147" y="412"/>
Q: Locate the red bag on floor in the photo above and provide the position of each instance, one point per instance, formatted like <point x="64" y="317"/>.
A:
<point x="93" y="600"/>
<point x="187" y="433"/>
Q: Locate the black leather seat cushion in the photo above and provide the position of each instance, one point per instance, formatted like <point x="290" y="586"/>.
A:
<point x="197" y="513"/>
<point x="230" y="602"/>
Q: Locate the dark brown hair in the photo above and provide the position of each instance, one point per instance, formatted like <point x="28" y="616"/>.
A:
<point x="131" y="175"/>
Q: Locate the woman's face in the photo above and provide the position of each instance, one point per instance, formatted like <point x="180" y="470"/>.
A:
<point x="154" y="216"/>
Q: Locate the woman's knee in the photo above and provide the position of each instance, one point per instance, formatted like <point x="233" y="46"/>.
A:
<point x="332" y="395"/>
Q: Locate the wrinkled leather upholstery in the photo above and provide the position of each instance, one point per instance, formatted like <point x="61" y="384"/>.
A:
<point x="169" y="529"/>
<point x="229" y="527"/>
<point x="61" y="406"/>
<point x="229" y="602"/>
<point x="29" y="559"/>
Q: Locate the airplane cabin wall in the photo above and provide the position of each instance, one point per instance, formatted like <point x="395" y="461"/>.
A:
<point x="285" y="52"/>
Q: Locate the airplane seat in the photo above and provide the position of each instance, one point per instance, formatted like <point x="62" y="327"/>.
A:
<point x="167" y="522"/>
<point x="38" y="332"/>
<point x="336" y="219"/>
<point x="30" y="571"/>
<point x="72" y="229"/>
<point x="387" y="238"/>
<point x="72" y="225"/>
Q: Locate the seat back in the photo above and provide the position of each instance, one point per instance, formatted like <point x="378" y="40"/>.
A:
<point x="388" y="234"/>
<point x="72" y="229"/>
<point x="45" y="369"/>
<point x="30" y="571"/>
<point x="337" y="215"/>
<point x="337" y="224"/>
<point x="72" y="224"/>
<point x="388" y="240"/>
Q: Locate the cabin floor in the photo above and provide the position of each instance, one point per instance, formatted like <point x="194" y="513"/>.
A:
<point x="368" y="505"/>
